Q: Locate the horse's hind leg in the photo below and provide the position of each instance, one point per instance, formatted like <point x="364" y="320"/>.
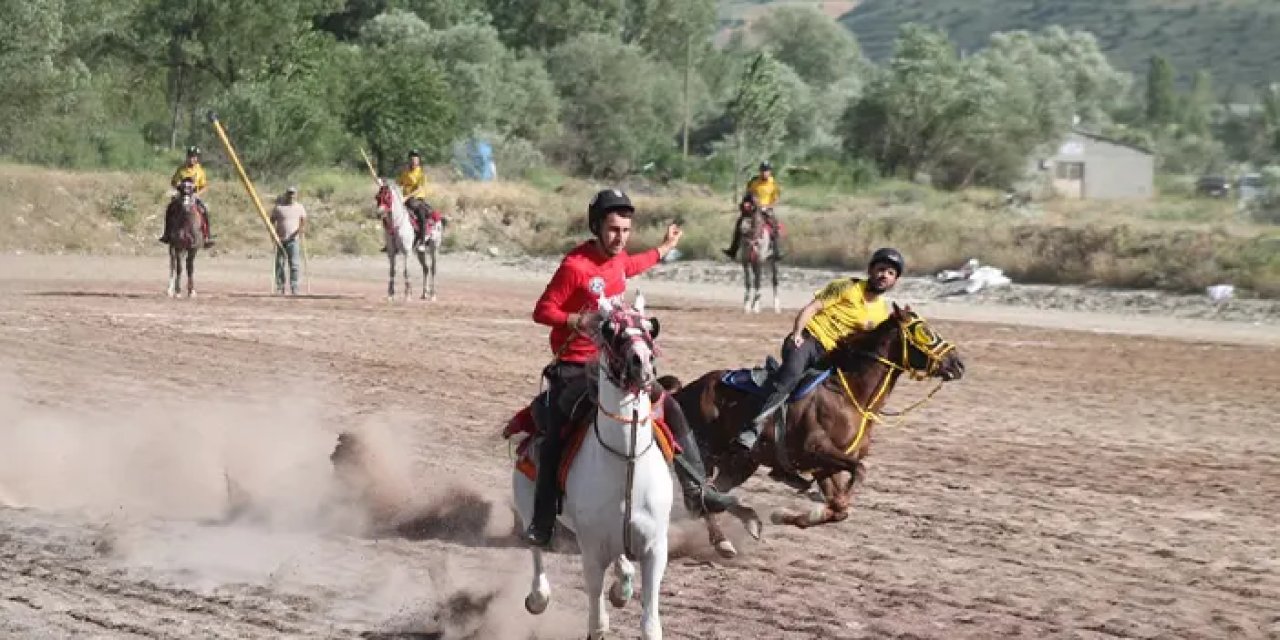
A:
<point x="540" y="591"/>
<point x="746" y="286"/>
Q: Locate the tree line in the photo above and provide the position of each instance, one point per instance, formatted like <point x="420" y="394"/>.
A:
<point x="603" y="88"/>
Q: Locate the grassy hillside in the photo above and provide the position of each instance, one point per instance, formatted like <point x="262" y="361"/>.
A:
<point x="1235" y="39"/>
<point x="1172" y="243"/>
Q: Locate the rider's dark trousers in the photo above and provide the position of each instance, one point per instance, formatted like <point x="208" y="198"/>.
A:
<point x="795" y="362"/>
<point x="568" y="384"/>
<point x="419" y="209"/>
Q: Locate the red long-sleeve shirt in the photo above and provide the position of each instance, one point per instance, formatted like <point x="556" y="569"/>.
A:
<point x="584" y="274"/>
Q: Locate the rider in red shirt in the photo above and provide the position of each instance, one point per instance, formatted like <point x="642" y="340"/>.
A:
<point x="598" y="267"/>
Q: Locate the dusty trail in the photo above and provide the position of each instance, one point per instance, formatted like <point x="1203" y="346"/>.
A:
<point x="1097" y="484"/>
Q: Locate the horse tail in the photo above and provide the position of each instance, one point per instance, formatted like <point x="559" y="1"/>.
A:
<point x="671" y="383"/>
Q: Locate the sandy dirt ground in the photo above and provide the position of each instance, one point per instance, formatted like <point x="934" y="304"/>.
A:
<point x="1119" y="481"/>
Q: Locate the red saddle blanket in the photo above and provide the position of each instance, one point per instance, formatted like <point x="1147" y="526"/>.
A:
<point x="575" y="435"/>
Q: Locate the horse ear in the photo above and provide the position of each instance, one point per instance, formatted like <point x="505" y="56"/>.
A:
<point x="638" y="305"/>
<point x="652" y="326"/>
<point x="897" y="311"/>
<point x="607" y="331"/>
<point x="604" y="305"/>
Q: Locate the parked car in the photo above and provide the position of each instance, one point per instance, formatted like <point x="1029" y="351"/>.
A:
<point x="1213" y="186"/>
<point x="1251" y="187"/>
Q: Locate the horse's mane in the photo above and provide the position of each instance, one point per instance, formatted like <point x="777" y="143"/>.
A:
<point x="849" y="353"/>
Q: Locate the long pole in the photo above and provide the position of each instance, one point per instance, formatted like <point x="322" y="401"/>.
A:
<point x="244" y="179"/>
<point x="369" y="163"/>
<point x="688" y="72"/>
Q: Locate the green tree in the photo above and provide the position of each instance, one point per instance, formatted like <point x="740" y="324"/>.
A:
<point x="759" y="112"/>
<point x="1161" y="100"/>
<point x="37" y="74"/>
<point x="616" y="106"/>
<point x="810" y="42"/>
<point x="544" y="24"/>
<point x="916" y="109"/>
<point x="391" y="115"/>
<point x="1198" y="104"/>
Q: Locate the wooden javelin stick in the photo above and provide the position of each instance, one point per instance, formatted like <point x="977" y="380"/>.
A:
<point x="369" y="163"/>
<point x="244" y="178"/>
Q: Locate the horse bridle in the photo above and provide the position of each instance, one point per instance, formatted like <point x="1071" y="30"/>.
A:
<point x="914" y="333"/>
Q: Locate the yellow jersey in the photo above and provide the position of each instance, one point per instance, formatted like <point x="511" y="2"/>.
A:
<point x="845" y="310"/>
<point x="413" y="183"/>
<point x="766" y="190"/>
<point x="195" y="172"/>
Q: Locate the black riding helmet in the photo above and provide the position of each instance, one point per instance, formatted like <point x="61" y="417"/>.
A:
<point x="193" y="151"/>
<point x="413" y="153"/>
<point x="766" y="166"/>
<point x="605" y="201"/>
<point x="889" y="256"/>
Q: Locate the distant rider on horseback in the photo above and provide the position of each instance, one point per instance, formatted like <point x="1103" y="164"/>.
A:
<point x="843" y="307"/>
<point x="413" y="186"/>
<point x="193" y="172"/>
<point x="599" y="267"/>
<point x="763" y="192"/>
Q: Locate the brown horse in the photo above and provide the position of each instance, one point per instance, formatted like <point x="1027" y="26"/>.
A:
<point x="828" y="431"/>
<point x="757" y="253"/>
<point x="185" y="222"/>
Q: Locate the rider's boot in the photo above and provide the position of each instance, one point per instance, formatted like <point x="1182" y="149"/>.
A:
<point x="746" y="440"/>
<point x="208" y="230"/>
<point x="699" y="496"/>
<point x="732" y="251"/>
<point x="546" y="495"/>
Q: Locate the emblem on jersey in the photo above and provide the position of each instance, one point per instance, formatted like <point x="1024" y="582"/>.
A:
<point x="596" y="285"/>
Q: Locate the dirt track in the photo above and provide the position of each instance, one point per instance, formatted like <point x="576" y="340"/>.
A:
<point x="1074" y="485"/>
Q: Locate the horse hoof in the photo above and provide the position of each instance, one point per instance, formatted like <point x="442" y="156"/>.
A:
<point x="621" y="593"/>
<point x="433" y="297"/>
<point x="536" y="603"/>
<point x="191" y="294"/>
<point x="726" y="549"/>
<point x="755" y="528"/>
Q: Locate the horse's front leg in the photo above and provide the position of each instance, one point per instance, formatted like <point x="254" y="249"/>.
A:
<point x="777" y="304"/>
<point x="406" y="278"/>
<point x="422" y="260"/>
<point x="822" y="453"/>
<point x="191" y="273"/>
<point x="653" y="566"/>
<point x="593" y="570"/>
<point x="746" y="286"/>
<point x="435" y="249"/>
<point x="173" y="273"/>
<point x="391" y="279"/>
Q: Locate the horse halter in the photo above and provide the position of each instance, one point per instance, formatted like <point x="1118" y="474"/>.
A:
<point x="625" y="330"/>
<point x="919" y="337"/>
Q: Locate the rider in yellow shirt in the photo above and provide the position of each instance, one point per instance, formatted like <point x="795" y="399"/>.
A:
<point x="413" y="186"/>
<point x="763" y="191"/>
<point x="192" y="170"/>
<point x="841" y="308"/>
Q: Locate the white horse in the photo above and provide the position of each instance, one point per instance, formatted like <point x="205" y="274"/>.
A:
<point x="618" y="492"/>
<point x="398" y="227"/>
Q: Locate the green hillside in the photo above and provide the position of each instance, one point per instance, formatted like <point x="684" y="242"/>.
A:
<point x="1237" y="40"/>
